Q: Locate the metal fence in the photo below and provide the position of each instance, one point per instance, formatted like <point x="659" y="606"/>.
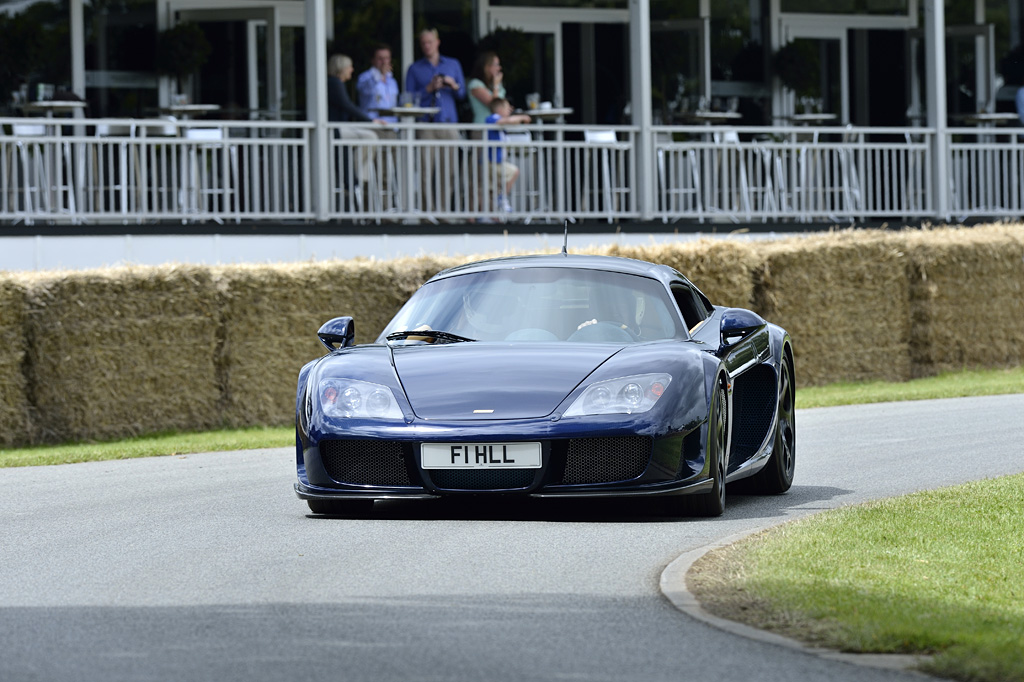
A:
<point x="139" y="171"/>
<point x="129" y="170"/>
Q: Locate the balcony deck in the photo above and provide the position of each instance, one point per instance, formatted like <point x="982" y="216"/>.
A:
<point x="103" y="171"/>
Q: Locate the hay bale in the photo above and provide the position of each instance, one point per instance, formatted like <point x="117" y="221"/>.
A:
<point x="15" y="422"/>
<point x="722" y="269"/>
<point x="124" y="351"/>
<point x="272" y="314"/>
<point x="844" y="299"/>
<point x="967" y="298"/>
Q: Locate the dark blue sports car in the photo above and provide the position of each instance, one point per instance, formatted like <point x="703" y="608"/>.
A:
<point x="549" y="376"/>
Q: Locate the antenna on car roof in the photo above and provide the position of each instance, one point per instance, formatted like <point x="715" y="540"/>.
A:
<point x="565" y="240"/>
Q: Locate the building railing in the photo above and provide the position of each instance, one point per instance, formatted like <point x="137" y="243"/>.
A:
<point x="130" y="170"/>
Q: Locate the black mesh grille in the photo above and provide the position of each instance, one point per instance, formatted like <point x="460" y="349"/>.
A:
<point x="365" y="462"/>
<point x="605" y="460"/>
<point x="753" y="407"/>
<point x="482" y="479"/>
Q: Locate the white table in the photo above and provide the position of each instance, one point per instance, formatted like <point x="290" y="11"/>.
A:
<point x="712" y="117"/>
<point x="550" y="114"/>
<point x="51" y="107"/>
<point x="186" y="111"/>
<point x="989" y="119"/>
<point x="812" y="119"/>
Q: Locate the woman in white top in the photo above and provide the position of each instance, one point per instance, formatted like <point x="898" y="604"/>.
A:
<point x="484" y="85"/>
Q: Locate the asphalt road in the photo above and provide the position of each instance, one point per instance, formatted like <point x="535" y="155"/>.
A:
<point x="206" y="567"/>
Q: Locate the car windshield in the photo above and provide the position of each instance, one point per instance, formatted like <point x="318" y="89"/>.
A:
<point x="538" y="304"/>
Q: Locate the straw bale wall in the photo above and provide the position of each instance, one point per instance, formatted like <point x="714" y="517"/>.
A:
<point x="14" y="402"/>
<point x="111" y="353"/>
<point x="844" y="300"/>
<point x="123" y="351"/>
<point x="967" y="298"/>
<point x="722" y="269"/>
<point x="271" y="315"/>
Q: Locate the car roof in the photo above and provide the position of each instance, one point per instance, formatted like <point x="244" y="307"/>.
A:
<point x="630" y="266"/>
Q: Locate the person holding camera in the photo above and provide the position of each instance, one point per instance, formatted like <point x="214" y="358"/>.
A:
<point x="437" y="81"/>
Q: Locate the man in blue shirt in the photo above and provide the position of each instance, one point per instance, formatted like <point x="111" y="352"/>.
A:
<point x="437" y="81"/>
<point x="377" y="86"/>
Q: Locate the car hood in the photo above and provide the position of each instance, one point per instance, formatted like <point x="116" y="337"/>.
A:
<point x="478" y="381"/>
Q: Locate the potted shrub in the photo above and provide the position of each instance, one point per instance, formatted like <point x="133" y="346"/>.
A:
<point x="181" y="51"/>
<point x="798" y="66"/>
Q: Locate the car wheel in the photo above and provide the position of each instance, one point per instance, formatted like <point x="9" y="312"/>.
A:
<point x="777" y="475"/>
<point x="340" y="507"/>
<point x="712" y="503"/>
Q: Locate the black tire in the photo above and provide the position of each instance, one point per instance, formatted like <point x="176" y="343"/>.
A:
<point x="777" y="475"/>
<point x="712" y="503"/>
<point x="349" y="508"/>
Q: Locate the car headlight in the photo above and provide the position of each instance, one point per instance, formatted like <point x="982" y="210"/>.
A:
<point x="357" y="399"/>
<point x="626" y="395"/>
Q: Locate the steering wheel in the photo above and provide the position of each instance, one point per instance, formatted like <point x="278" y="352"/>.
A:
<point x="603" y="331"/>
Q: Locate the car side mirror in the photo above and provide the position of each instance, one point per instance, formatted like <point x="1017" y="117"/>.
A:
<point x="337" y="333"/>
<point x="738" y="324"/>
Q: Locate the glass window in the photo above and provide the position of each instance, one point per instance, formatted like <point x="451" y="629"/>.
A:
<point x="541" y="304"/>
<point x="662" y="10"/>
<point x="601" y="4"/>
<point x="34" y="51"/>
<point x="359" y="25"/>
<point x="120" y="58"/>
<point x="885" y="7"/>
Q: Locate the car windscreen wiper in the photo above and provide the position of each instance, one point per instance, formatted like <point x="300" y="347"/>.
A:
<point x="447" y="337"/>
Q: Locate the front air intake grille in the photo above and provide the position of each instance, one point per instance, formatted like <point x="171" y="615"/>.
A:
<point x="365" y="462"/>
<point x="482" y="479"/>
<point x="606" y="460"/>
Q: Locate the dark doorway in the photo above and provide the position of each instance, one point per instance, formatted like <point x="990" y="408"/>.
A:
<point x="596" y="76"/>
<point x="878" y="77"/>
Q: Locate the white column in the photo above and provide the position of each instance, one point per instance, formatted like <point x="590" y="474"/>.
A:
<point x="163" y="22"/>
<point x="705" y="36"/>
<point x="77" y="29"/>
<point x="640" y="98"/>
<point x="408" y="43"/>
<point x="316" y="105"/>
<point x="775" y="41"/>
<point x="982" y="65"/>
<point x="935" y="73"/>
<point x="273" y="48"/>
<point x="252" y="66"/>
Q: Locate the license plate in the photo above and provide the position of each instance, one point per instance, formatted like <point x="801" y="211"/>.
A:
<point x="480" y="455"/>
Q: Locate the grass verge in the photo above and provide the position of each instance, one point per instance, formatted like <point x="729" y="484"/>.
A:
<point x="173" y="443"/>
<point x="988" y="382"/>
<point x="953" y="385"/>
<point x="938" y="572"/>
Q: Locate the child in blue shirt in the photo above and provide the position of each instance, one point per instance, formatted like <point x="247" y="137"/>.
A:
<point x="503" y="173"/>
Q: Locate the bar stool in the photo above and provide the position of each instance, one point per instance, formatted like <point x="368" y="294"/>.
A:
<point x="605" y="142"/>
<point x="46" y="175"/>
<point x="115" y="161"/>
<point x="212" y="170"/>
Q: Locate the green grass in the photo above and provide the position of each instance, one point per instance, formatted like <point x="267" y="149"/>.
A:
<point x="938" y="573"/>
<point x="989" y="382"/>
<point x="952" y="385"/>
<point x="176" y="443"/>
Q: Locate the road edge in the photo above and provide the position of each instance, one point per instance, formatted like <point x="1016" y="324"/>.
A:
<point x="672" y="584"/>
